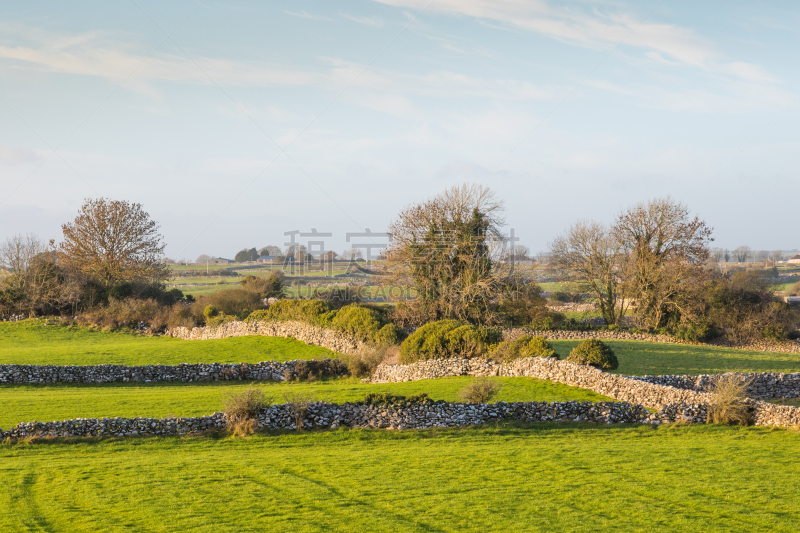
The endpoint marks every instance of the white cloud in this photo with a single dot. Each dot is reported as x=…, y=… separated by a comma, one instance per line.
x=375, y=22
x=597, y=30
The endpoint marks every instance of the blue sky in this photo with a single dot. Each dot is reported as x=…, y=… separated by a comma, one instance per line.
x=233, y=123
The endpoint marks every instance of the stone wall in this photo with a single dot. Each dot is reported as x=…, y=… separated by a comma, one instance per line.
x=674, y=404
x=307, y=333
x=184, y=372
x=560, y=335
x=338, y=342
x=764, y=385
x=321, y=415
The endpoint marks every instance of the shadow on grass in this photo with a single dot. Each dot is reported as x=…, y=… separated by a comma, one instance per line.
x=501, y=429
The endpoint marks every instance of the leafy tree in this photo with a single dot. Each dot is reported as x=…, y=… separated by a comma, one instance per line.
x=112, y=241
x=246, y=255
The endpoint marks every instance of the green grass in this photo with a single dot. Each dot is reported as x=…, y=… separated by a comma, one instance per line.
x=637, y=358
x=32, y=343
x=24, y=403
x=508, y=477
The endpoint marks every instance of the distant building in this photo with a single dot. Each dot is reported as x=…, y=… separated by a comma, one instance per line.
x=220, y=261
x=794, y=260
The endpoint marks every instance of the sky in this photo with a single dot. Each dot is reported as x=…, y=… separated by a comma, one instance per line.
x=235, y=123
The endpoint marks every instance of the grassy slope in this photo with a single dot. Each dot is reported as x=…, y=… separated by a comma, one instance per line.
x=60, y=402
x=545, y=478
x=31, y=342
x=642, y=358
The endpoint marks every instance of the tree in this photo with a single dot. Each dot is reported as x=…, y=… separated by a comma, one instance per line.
x=269, y=251
x=516, y=253
x=742, y=253
x=352, y=254
x=17, y=253
x=245, y=255
x=202, y=259
x=717, y=254
x=446, y=249
x=112, y=241
x=666, y=250
x=590, y=255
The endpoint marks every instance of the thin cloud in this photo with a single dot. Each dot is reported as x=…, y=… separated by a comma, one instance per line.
x=375, y=22
x=597, y=30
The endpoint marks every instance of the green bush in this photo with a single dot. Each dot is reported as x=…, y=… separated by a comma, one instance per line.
x=210, y=311
x=448, y=338
x=293, y=309
x=357, y=321
x=390, y=334
x=525, y=346
x=594, y=353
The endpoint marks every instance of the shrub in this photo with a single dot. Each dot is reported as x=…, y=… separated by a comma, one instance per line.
x=269, y=286
x=241, y=409
x=448, y=338
x=692, y=332
x=729, y=401
x=396, y=400
x=368, y=357
x=794, y=290
x=525, y=346
x=523, y=306
x=390, y=334
x=357, y=321
x=481, y=390
x=210, y=311
x=594, y=353
x=293, y=309
x=567, y=296
x=235, y=302
x=298, y=404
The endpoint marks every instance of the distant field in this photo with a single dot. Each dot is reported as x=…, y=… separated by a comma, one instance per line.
x=21, y=403
x=637, y=358
x=32, y=343
x=506, y=477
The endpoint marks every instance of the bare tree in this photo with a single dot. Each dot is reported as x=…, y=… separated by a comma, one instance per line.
x=114, y=241
x=742, y=253
x=18, y=252
x=667, y=249
x=352, y=254
x=590, y=255
x=270, y=251
x=203, y=258
x=717, y=254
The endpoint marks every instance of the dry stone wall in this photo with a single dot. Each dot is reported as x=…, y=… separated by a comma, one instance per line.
x=673, y=404
x=562, y=335
x=184, y=372
x=338, y=342
x=763, y=385
x=308, y=333
x=322, y=415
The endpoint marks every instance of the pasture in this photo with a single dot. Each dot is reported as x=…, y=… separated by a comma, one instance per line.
x=24, y=403
x=31, y=342
x=508, y=477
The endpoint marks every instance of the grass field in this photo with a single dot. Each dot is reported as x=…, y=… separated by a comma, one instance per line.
x=638, y=358
x=23, y=403
x=504, y=478
x=32, y=343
